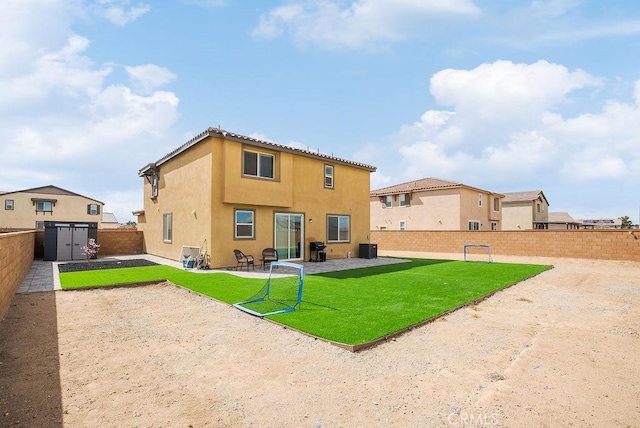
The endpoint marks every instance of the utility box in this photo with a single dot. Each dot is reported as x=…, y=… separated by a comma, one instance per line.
x=368, y=251
x=63, y=240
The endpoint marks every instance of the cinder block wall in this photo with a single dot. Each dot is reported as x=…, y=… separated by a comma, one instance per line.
x=16, y=255
x=118, y=242
x=584, y=244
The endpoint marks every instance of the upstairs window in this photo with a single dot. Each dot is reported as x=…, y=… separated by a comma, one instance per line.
x=387, y=201
x=405, y=200
x=8, y=204
x=480, y=199
x=496, y=204
x=44, y=206
x=258, y=164
x=328, y=176
x=93, y=209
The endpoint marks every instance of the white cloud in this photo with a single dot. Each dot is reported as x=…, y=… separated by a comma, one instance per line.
x=357, y=24
x=554, y=8
x=119, y=12
x=60, y=123
x=505, y=127
x=120, y=203
x=64, y=72
x=146, y=78
x=490, y=90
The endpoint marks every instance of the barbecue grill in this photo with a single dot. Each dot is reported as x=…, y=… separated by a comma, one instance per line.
x=318, y=247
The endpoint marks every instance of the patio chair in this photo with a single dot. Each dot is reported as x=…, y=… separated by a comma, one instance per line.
x=243, y=259
x=268, y=255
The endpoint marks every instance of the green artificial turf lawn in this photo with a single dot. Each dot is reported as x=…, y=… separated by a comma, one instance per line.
x=351, y=307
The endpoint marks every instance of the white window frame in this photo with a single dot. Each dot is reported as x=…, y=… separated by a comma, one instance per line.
x=475, y=225
x=388, y=201
x=94, y=209
x=479, y=199
x=328, y=176
x=9, y=204
x=494, y=225
x=167, y=228
x=251, y=224
x=39, y=224
x=496, y=204
x=41, y=206
x=260, y=158
x=405, y=199
x=342, y=221
x=403, y=225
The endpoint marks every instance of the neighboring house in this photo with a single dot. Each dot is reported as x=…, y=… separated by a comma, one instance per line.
x=30, y=208
x=562, y=220
x=109, y=221
x=601, y=223
x=223, y=191
x=525, y=210
x=434, y=204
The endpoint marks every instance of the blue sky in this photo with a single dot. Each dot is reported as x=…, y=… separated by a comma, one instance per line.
x=502, y=95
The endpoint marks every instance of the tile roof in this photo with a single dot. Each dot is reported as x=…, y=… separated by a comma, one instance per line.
x=51, y=190
x=560, y=217
x=109, y=218
x=527, y=196
x=422, y=184
x=220, y=133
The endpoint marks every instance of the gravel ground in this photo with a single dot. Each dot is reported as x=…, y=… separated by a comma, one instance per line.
x=560, y=349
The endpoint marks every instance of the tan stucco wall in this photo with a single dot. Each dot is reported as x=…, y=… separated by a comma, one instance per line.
x=24, y=215
x=184, y=186
x=521, y=215
x=517, y=216
x=446, y=209
x=208, y=178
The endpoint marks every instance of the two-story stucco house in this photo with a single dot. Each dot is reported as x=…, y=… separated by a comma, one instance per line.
x=223, y=191
x=525, y=210
x=30, y=208
x=434, y=204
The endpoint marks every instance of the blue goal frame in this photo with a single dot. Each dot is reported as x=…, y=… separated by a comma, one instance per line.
x=240, y=305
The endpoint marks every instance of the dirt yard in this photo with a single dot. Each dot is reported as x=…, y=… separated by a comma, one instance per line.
x=560, y=349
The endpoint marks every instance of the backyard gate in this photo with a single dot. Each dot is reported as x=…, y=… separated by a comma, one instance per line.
x=64, y=240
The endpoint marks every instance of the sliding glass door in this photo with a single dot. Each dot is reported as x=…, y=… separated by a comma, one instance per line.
x=289, y=236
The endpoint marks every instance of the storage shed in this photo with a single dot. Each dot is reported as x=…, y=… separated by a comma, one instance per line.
x=64, y=240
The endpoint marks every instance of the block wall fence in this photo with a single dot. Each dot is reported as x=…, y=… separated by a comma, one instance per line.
x=582, y=244
x=19, y=248
x=16, y=255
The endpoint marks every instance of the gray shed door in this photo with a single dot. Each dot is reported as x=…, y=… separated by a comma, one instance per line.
x=80, y=235
x=65, y=238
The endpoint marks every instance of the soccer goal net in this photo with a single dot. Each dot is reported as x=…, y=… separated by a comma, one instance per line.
x=282, y=292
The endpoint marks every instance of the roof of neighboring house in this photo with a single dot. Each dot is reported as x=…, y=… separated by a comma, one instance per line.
x=109, y=218
x=219, y=133
x=560, y=217
x=51, y=190
x=425, y=184
x=527, y=196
